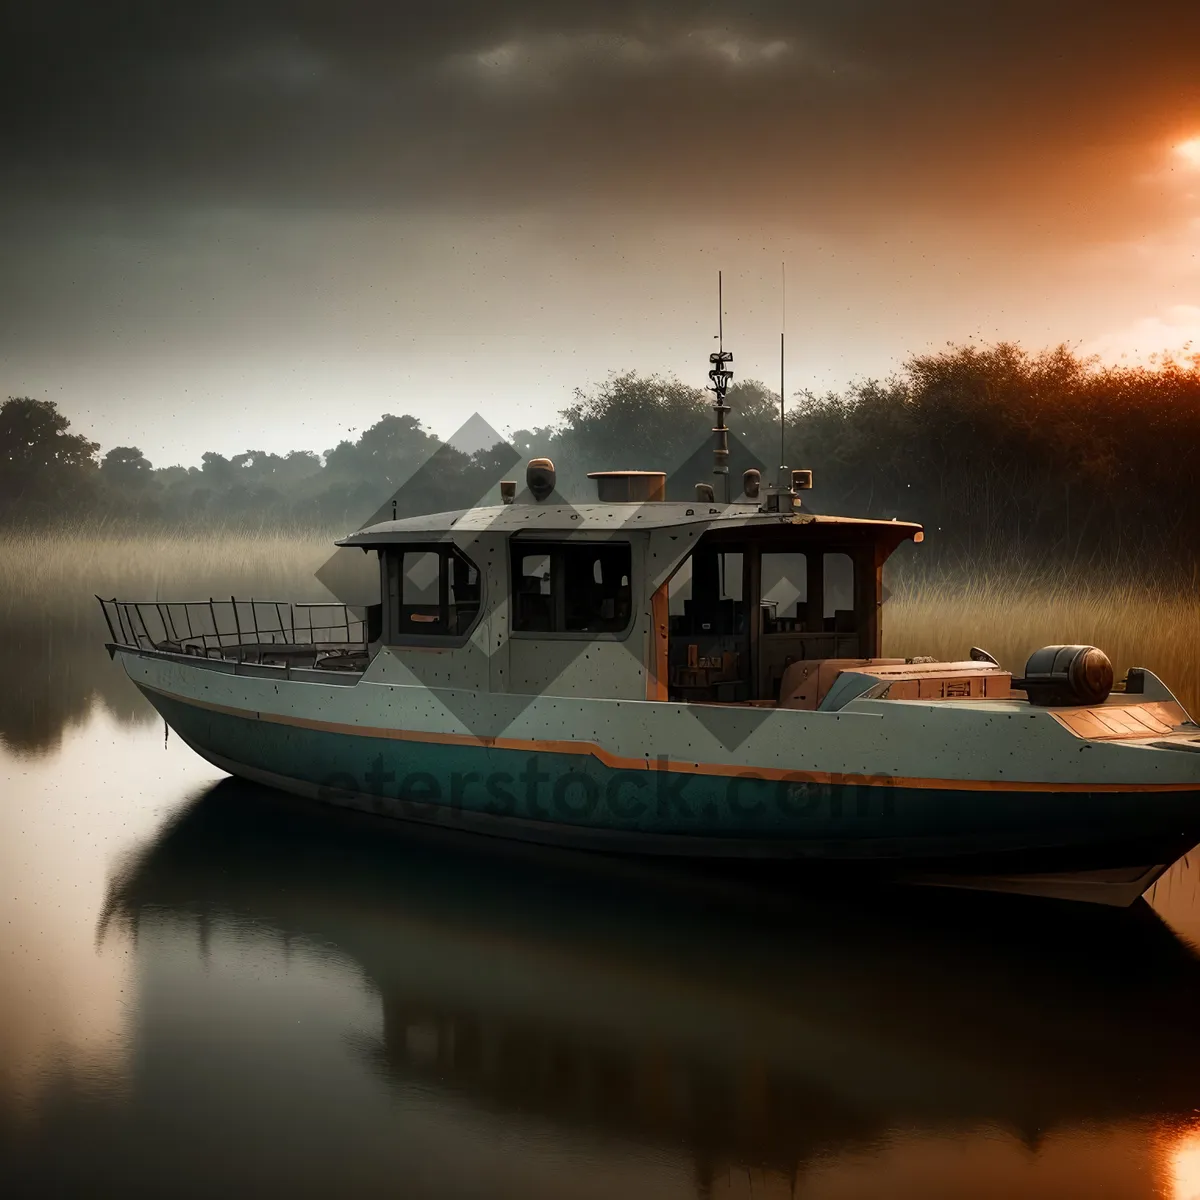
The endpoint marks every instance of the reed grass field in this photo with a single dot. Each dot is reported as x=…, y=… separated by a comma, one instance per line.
x=1011, y=614
x=48, y=581
x=56, y=568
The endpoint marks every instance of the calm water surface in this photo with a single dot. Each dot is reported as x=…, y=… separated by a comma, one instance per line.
x=208, y=990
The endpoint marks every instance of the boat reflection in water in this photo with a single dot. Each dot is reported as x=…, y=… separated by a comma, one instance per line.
x=742, y=1032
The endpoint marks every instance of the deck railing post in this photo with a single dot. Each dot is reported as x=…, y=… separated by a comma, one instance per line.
x=167, y=623
x=122, y=616
x=107, y=619
x=237, y=625
x=146, y=628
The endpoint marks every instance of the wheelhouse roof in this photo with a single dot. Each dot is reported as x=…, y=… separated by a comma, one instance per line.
x=568, y=520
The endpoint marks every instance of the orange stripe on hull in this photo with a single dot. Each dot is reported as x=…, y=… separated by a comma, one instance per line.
x=619, y=762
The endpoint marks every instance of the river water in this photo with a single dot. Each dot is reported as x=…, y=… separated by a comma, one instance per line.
x=210, y=990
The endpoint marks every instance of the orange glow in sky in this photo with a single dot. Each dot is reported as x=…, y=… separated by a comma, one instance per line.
x=1189, y=151
x=1185, y=1169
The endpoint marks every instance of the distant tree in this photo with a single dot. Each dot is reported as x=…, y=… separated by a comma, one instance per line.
x=640, y=422
x=533, y=443
x=298, y=465
x=754, y=420
x=253, y=465
x=392, y=447
x=389, y=453
x=755, y=415
x=217, y=470
x=126, y=466
x=39, y=460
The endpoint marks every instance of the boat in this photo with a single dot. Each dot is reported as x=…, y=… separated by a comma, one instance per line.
x=702, y=678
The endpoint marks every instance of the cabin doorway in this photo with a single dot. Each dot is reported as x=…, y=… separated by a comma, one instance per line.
x=708, y=602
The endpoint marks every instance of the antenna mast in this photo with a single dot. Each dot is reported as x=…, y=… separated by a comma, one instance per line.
x=721, y=374
x=782, y=392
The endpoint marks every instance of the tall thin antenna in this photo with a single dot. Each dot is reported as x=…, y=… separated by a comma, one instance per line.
x=782, y=391
x=720, y=314
x=721, y=374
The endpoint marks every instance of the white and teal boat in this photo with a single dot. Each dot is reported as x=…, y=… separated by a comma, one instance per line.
x=640, y=676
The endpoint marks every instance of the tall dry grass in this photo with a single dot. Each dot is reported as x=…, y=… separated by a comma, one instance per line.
x=1137, y=624
x=56, y=568
x=48, y=611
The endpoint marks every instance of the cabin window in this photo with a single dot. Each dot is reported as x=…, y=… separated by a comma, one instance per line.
x=838, y=593
x=784, y=595
x=432, y=591
x=572, y=587
x=807, y=593
x=705, y=595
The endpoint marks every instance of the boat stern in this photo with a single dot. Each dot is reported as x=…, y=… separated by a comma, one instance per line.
x=1079, y=802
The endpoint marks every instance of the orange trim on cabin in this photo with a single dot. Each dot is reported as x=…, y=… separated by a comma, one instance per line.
x=657, y=670
x=770, y=774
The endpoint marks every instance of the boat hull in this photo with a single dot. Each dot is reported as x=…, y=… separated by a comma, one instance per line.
x=1101, y=844
x=1114, y=873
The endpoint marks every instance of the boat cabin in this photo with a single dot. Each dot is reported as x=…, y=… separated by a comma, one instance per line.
x=630, y=598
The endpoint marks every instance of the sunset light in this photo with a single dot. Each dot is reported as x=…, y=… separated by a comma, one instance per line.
x=1189, y=151
x=1185, y=1169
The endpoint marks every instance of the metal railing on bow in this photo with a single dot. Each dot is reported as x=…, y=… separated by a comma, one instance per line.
x=243, y=630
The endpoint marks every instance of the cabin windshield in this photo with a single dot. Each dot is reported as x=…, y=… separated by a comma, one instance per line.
x=742, y=611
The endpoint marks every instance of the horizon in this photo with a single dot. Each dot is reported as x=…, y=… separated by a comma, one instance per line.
x=475, y=433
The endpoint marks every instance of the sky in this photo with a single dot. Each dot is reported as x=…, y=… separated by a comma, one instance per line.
x=264, y=223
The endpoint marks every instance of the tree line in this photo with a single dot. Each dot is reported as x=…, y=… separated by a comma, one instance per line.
x=997, y=450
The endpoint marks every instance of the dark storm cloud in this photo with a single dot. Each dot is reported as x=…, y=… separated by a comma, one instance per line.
x=843, y=107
